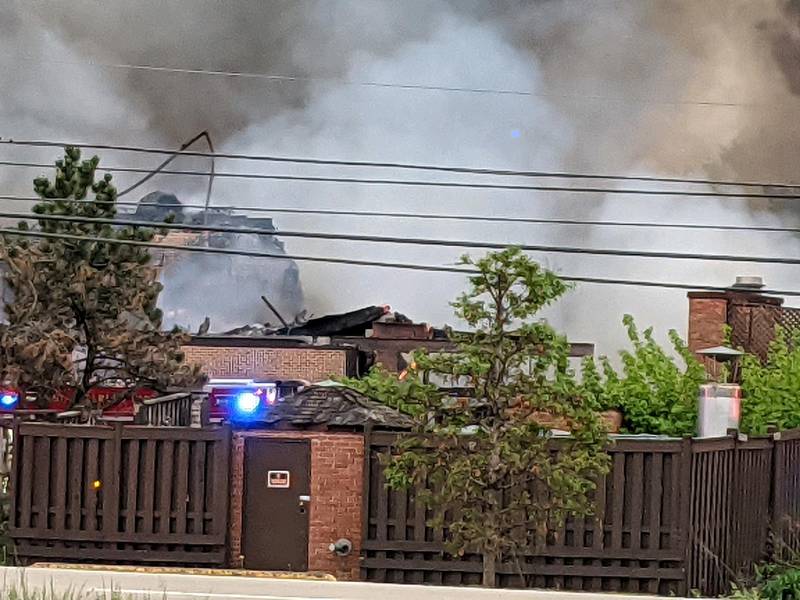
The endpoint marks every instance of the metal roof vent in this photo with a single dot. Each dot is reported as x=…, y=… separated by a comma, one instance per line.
x=748, y=282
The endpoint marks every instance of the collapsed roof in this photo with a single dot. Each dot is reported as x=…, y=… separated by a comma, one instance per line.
x=352, y=323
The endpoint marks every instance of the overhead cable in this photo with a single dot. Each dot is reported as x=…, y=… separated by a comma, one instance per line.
x=429, y=183
x=392, y=165
x=274, y=77
x=440, y=216
x=365, y=263
x=414, y=241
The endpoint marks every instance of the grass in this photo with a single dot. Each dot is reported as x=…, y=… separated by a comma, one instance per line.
x=23, y=591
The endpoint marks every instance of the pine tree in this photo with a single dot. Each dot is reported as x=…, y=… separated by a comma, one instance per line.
x=83, y=313
x=489, y=462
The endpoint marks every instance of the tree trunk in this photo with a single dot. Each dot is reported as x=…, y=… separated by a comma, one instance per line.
x=489, y=568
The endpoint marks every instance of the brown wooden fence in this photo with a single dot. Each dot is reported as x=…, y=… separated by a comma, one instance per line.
x=671, y=516
x=120, y=493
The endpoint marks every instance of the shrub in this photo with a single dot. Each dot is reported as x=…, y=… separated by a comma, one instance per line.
x=654, y=392
x=771, y=390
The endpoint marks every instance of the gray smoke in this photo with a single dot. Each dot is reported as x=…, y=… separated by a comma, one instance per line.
x=678, y=88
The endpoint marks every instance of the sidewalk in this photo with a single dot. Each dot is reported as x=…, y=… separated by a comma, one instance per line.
x=194, y=584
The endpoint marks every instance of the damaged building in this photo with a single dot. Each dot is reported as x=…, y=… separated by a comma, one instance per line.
x=233, y=294
x=347, y=344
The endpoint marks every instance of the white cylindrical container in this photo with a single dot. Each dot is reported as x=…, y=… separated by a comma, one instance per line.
x=719, y=409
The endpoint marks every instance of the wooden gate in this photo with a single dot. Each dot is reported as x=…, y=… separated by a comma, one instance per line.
x=120, y=493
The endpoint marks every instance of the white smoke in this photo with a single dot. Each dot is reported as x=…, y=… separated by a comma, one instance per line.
x=615, y=85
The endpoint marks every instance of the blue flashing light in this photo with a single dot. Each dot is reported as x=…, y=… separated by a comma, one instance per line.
x=247, y=403
x=9, y=399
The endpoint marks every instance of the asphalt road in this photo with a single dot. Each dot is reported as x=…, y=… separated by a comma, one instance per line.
x=196, y=587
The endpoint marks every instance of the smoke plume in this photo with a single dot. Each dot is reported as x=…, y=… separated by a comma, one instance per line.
x=667, y=87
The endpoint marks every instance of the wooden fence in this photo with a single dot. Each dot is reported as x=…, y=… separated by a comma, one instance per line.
x=671, y=516
x=119, y=493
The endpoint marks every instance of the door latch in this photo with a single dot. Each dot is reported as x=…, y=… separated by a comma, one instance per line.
x=303, y=500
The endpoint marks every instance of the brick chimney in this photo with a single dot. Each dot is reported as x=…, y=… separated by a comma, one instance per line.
x=708, y=311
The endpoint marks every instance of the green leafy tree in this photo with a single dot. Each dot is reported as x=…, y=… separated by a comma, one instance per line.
x=82, y=313
x=400, y=392
x=771, y=390
x=654, y=392
x=488, y=459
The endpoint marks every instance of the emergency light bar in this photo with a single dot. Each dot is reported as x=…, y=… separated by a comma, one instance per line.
x=240, y=399
x=9, y=399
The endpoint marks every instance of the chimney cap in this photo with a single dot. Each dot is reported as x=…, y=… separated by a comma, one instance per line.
x=748, y=282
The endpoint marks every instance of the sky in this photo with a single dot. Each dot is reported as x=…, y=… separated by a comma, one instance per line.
x=672, y=88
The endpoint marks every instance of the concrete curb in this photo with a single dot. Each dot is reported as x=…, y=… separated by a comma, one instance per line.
x=307, y=576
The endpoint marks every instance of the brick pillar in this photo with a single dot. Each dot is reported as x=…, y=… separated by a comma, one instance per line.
x=708, y=315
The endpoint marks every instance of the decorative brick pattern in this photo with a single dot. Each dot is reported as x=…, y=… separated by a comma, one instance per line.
x=337, y=476
x=311, y=364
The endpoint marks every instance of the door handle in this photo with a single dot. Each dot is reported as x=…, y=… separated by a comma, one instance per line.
x=304, y=498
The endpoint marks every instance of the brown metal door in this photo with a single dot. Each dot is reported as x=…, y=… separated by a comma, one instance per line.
x=276, y=505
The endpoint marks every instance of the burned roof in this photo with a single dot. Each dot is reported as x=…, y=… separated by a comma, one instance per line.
x=355, y=322
x=335, y=406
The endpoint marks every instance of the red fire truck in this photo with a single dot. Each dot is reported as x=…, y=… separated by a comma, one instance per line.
x=228, y=399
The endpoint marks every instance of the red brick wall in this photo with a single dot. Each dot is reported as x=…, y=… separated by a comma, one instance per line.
x=311, y=364
x=707, y=318
x=337, y=471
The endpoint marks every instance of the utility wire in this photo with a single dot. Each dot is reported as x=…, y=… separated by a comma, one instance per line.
x=437, y=184
x=385, y=84
x=776, y=260
x=441, y=217
x=393, y=165
x=365, y=263
x=160, y=168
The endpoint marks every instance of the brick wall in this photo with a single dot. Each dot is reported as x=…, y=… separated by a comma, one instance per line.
x=707, y=318
x=309, y=363
x=337, y=478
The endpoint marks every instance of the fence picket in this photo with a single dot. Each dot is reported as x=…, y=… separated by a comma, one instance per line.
x=95, y=471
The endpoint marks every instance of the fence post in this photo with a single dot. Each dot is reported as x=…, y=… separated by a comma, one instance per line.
x=731, y=556
x=777, y=504
x=365, y=496
x=686, y=509
x=111, y=500
x=13, y=476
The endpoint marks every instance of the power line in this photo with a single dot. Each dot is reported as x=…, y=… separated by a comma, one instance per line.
x=389, y=85
x=380, y=264
x=446, y=217
x=393, y=165
x=777, y=260
x=428, y=183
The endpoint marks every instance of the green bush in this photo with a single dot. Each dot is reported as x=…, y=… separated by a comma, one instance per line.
x=772, y=582
x=405, y=394
x=655, y=394
x=771, y=390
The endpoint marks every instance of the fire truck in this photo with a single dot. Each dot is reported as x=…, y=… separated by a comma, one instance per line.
x=246, y=400
x=229, y=400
